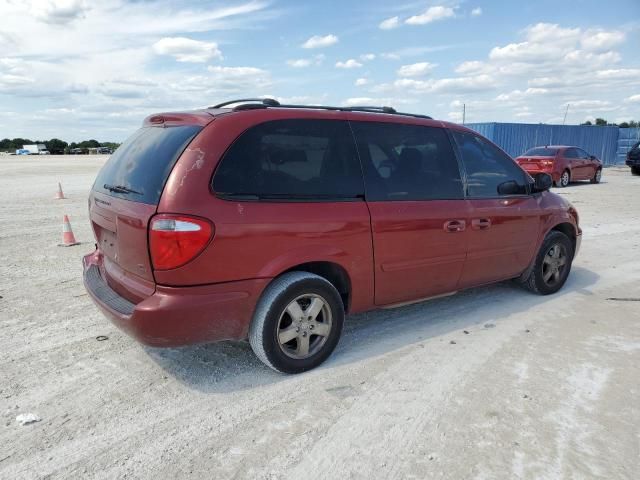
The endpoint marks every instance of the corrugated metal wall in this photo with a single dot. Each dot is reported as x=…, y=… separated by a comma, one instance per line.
x=627, y=138
x=516, y=138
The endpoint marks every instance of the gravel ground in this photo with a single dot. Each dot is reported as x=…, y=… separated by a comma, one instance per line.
x=533, y=387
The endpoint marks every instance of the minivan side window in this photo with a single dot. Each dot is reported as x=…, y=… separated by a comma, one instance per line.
x=407, y=162
x=292, y=160
x=487, y=167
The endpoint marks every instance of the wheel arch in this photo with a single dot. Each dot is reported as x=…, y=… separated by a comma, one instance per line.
x=568, y=229
x=333, y=272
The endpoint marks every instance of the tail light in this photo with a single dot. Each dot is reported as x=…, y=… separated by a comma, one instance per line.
x=177, y=239
x=546, y=163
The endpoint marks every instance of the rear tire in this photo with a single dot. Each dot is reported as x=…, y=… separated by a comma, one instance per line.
x=297, y=322
x=565, y=179
x=635, y=170
x=596, y=176
x=552, y=265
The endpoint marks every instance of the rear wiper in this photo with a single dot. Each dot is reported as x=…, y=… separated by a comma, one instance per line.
x=120, y=189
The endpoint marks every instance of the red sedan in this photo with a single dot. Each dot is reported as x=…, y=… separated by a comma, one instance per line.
x=564, y=163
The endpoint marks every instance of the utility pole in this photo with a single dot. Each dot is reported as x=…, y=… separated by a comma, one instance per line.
x=565, y=114
x=464, y=112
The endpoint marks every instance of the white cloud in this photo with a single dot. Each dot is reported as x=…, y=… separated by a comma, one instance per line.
x=187, y=50
x=601, y=40
x=319, y=41
x=415, y=70
x=299, y=63
x=306, y=62
x=389, y=23
x=382, y=101
x=476, y=12
x=58, y=11
x=363, y=81
x=516, y=95
x=431, y=14
x=351, y=63
x=634, y=98
x=590, y=105
x=367, y=57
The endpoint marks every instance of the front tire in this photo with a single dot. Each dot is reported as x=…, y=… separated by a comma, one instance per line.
x=635, y=170
x=297, y=322
x=597, y=176
x=552, y=265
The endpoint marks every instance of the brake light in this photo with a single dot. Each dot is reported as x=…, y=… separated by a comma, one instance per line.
x=177, y=239
x=546, y=163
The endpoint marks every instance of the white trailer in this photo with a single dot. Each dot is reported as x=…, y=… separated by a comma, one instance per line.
x=35, y=149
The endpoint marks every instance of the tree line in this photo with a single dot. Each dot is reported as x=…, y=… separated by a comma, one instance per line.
x=54, y=146
x=601, y=122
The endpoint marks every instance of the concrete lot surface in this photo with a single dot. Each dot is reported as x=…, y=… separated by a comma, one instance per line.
x=539, y=387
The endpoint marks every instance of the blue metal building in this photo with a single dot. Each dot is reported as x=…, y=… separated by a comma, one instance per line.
x=516, y=138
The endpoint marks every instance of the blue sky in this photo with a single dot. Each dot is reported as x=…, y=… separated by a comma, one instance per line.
x=78, y=69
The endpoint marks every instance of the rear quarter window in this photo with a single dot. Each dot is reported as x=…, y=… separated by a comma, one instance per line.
x=292, y=160
x=141, y=165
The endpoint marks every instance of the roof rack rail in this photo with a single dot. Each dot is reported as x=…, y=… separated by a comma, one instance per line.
x=368, y=108
x=258, y=103
x=267, y=102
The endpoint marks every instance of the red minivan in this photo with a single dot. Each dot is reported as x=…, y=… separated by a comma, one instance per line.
x=270, y=222
x=564, y=164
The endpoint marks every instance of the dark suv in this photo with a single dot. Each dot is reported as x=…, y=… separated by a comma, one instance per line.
x=270, y=221
x=633, y=159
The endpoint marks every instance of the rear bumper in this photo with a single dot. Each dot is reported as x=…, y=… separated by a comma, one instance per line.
x=175, y=316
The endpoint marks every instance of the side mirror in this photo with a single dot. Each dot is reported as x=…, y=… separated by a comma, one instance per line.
x=542, y=182
x=509, y=188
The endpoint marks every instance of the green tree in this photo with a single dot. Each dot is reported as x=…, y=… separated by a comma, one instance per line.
x=56, y=146
x=601, y=121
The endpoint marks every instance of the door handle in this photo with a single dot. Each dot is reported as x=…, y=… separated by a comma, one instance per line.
x=453, y=226
x=480, y=223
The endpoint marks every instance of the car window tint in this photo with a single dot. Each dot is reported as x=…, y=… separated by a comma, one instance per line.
x=582, y=154
x=570, y=153
x=487, y=166
x=540, y=152
x=292, y=159
x=143, y=163
x=407, y=162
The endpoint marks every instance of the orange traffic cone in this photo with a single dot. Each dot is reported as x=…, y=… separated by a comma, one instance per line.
x=68, y=240
x=59, y=195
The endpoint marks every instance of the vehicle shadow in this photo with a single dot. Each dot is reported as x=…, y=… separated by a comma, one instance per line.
x=232, y=366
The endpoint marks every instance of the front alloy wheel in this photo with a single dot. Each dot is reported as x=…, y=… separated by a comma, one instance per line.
x=553, y=265
x=565, y=178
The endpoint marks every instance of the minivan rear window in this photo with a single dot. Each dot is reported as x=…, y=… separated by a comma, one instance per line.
x=139, y=168
x=541, y=152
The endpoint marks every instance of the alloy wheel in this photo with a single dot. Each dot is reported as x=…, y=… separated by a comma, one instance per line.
x=304, y=326
x=554, y=264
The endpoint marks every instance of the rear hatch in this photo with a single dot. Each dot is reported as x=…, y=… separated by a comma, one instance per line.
x=125, y=196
